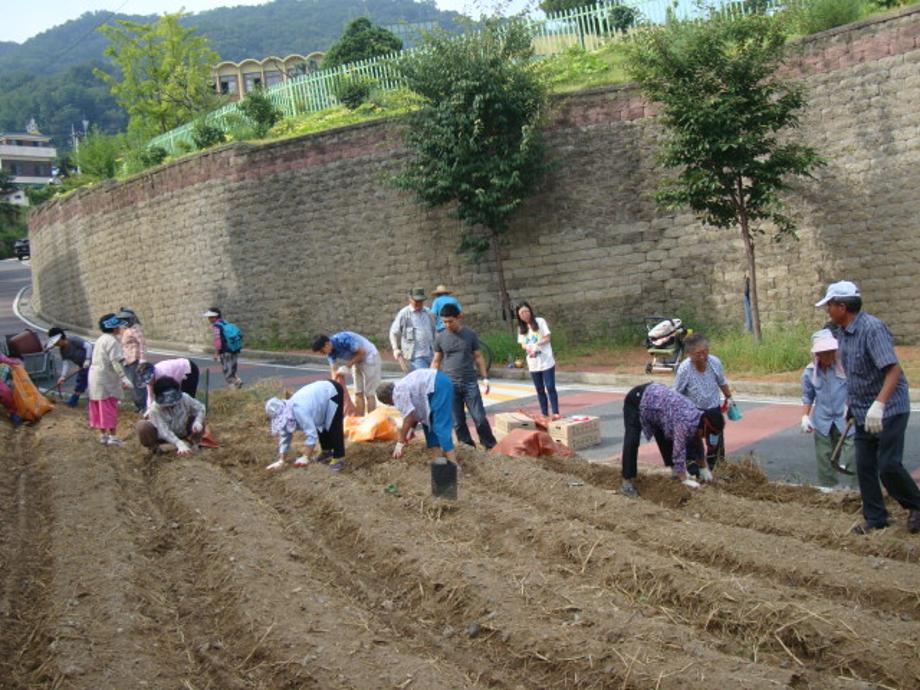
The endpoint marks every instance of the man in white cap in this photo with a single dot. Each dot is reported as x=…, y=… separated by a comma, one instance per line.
x=878, y=400
x=824, y=400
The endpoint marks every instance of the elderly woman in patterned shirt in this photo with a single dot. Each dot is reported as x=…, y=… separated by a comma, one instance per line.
x=701, y=378
x=677, y=425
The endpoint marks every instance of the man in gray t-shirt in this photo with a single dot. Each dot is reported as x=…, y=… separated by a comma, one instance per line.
x=457, y=354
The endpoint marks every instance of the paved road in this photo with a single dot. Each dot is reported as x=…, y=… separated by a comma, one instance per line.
x=769, y=428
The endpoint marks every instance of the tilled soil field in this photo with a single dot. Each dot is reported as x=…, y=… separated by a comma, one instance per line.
x=118, y=571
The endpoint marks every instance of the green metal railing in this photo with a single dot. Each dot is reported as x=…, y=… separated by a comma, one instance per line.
x=589, y=27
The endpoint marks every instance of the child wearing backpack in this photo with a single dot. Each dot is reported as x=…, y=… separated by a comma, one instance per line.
x=228, y=341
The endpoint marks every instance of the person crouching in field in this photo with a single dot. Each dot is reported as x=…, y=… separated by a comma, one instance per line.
x=107, y=378
x=824, y=397
x=317, y=409
x=678, y=426
x=74, y=351
x=423, y=396
x=172, y=417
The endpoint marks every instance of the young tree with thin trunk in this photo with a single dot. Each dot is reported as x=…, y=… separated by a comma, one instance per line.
x=727, y=118
x=475, y=142
x=164, y=73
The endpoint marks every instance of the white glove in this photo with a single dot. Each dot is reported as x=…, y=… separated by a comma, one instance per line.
x=691, y=483
x=303, y=461
x=807, y=426
x=398, y=450
x=706, y=474
x=183, y=447
x=197, y=427
x=486, y=386
x=397, y=354
x=126, y=383
x=277, y=465
x=874, y=417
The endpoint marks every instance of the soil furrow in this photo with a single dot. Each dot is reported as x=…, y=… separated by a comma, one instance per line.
x=25, y=563
x=868, y=582
x=752, y=617
x=742, y=496
x=306, y=621
x=528, y=607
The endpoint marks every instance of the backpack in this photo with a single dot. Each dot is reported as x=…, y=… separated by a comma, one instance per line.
x=233, y=336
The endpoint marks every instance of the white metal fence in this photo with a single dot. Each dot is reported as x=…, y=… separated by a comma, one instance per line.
x=589, y=27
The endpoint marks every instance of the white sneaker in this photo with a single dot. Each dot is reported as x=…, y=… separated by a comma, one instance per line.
x=691, y=483
x=114, y=441
x=706, y=474
x=104, y=439
x=277, y=465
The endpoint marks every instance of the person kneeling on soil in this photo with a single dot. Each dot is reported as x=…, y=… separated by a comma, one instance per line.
x=678, y=427
x=173, y=417
x=183, y=370
x=318, y=410
x=423, y=396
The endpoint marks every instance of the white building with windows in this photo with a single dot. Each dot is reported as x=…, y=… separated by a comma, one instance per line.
x=27, y=157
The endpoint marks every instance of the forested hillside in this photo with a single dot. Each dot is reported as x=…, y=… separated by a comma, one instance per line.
x=49, y=77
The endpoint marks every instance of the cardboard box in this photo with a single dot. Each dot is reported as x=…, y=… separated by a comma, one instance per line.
x=508, y=421
x=584, y=433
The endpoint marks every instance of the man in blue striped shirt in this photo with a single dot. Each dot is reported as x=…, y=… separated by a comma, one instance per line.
x=878, y=399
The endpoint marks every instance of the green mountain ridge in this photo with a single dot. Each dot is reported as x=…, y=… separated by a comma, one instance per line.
x=49, y=76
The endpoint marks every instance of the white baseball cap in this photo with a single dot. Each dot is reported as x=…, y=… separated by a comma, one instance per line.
x=210, y=312
x=842, y=288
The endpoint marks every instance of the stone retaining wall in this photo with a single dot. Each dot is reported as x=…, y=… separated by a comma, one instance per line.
x=306, y=235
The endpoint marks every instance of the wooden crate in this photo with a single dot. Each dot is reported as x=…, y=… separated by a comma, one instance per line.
x=583, y=433
x=508, y=421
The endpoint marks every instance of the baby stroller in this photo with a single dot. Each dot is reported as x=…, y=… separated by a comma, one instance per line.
x=664, y=342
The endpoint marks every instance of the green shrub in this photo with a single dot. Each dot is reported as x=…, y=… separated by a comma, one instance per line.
x=812, y=16
x=205, y=135
x=353, y=91
x=261, y=112
x=98, y=155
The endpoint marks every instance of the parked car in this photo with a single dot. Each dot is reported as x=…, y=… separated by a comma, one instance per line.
x=21, y=248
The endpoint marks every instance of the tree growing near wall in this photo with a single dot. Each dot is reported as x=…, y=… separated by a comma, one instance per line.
x=361, y=40
x=727, y=118
x=164, y=72
x=474, y=143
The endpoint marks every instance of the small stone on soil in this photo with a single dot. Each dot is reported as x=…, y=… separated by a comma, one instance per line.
x=473, y=630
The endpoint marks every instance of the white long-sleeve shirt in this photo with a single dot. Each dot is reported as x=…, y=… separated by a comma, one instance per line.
x=313, y=410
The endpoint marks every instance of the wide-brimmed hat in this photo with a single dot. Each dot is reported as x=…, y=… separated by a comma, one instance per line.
x=168, y=397
x=823, y=341
x=418, y=293
x=441, y=289
x=273, y=406
x=53, y=340
x=838, y=290
x=114, y=322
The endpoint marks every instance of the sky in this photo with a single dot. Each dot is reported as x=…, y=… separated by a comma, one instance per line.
x=21, y=20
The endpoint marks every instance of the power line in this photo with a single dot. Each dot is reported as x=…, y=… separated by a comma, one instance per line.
x=83, y=36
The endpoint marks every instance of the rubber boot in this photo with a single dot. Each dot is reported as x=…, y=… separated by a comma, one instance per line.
x=72, y=400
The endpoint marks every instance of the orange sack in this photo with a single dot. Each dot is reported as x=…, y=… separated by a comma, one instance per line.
x=529, y=442
x=377, y=426
x=29, y=403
